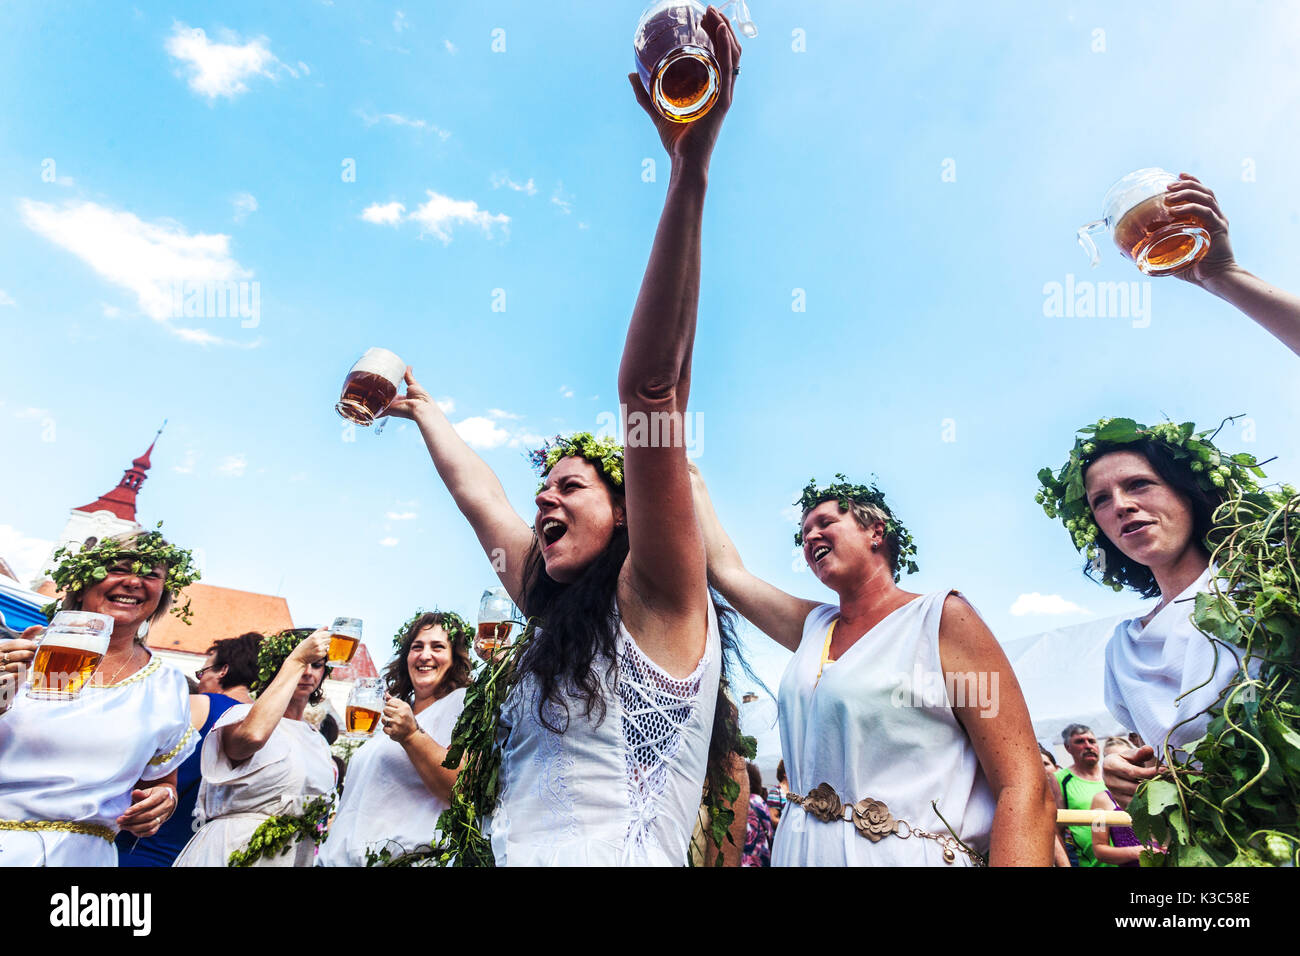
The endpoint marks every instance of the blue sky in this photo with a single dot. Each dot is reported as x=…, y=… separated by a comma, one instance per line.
x=911, y=174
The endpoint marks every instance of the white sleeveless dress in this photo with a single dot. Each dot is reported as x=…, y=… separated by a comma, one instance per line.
x=622, y=792
x=878, y=724
x=1149, y=668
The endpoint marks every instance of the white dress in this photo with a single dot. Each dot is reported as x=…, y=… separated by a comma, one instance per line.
x=1148, y=668
x=292, y=769
x=384, y=800
x=78, y=760
x=622, y=792
x=878, y=724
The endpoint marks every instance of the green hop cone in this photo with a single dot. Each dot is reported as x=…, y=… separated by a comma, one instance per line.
x=1277, y=849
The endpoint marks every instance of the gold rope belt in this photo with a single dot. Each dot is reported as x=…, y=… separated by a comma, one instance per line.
x=873, y=820
x=62, y=826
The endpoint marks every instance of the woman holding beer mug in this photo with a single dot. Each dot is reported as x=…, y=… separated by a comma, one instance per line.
x=892, y=700
x=263, y=760
x=397, y=785
x=77, y=767
x=610, y=719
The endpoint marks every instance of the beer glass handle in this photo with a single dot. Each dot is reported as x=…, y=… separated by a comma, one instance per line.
x=742, y=19
x=1085, y=240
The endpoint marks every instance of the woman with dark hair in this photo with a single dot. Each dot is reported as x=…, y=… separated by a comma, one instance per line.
x=223, y=681
x=397, y=784
x=607, y=727
x=881, y=710
x=74, y=772
x=759, y=828
x=1139, y=501
x=263, y=760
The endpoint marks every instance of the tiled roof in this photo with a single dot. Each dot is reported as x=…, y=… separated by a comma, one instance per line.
x=219, y=613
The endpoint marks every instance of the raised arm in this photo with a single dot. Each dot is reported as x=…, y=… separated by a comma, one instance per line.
x=663, y=596
x=1274, y=309
x=243, y=739
x=779, y=615
x=992, y=711
x=505, y=537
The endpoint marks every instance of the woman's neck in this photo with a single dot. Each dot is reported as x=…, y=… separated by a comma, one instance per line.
x=296, y=709
x=864, y=597
x=239, y=693
x=426, y=700
x=1178, y=575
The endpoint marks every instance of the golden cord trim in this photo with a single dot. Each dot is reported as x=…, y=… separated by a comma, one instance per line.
x=163, y=758
x=62, y=826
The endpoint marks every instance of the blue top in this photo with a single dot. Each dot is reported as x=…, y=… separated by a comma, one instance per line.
x=163, y=847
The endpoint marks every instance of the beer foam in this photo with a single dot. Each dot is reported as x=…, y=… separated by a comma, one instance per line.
x=383, y=363
x=76, y=640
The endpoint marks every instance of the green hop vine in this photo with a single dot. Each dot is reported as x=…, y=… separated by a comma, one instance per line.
x=845, y=492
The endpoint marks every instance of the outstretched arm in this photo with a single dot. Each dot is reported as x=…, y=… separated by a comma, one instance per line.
x=475, y=488
x=1274, y=309
x=663, y=595
x=779, y=615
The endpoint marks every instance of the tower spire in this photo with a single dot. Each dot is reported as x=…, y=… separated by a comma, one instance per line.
x=120, y=501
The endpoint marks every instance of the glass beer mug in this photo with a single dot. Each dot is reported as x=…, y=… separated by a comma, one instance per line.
x=364, y=708
x=69, y=654
x=370, y=386
x=345, y=635
x=1160, y=240
x=496, y=617
x=675, y=58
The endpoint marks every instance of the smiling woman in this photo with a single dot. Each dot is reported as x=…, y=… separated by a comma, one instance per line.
x=397, y=785
x=77, y=771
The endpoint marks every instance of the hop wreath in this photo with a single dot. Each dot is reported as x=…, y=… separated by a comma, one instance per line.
x=78, y=570
x=844, y=492
x=604, y=452
x=1062, y=494
x=272, y=653
x=459, y=631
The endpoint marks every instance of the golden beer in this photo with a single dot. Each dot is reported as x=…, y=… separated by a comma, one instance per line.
x=675, y=60
x=370, y=386
x=1161, y=240
x=361, y=721
x=492, y=636
x=69, y=653
x=342, y=647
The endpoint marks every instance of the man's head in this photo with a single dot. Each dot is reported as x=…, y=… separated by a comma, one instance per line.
x=1081, y=744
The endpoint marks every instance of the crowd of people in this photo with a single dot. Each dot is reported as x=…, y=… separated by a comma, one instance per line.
x=606, y=735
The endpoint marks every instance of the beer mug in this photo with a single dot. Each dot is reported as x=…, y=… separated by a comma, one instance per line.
x=675, y=58
x=370, y=386
x=69, y=654
x=1160, y=240
x=345, y=635
x=365, y=705
x=496, y=616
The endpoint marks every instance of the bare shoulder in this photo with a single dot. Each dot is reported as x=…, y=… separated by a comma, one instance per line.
x=961, y=622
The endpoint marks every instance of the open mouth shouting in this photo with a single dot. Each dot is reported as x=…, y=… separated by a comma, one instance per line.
x=820, y=552
x=553, y=530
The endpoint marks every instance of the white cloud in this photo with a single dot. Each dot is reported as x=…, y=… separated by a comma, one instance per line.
x=388, y=214
x=791, y=514
x=245, y=203
x=399, y=22
x=6, y=299
x=219, y=69
x=501, y=413
x=388, y=543
x=526, y=439
x=440, y=213
x=450, y=47
x=186, y=467
x=481, y=432
x=397, y=119
x=562, y=199
x=1035, y=603
x=566, y=392
x=447, y=405
x=503, y=179
x=401, y=515
x=23, y=553
x=110, y=311
x=149, y=259
x=234, y=466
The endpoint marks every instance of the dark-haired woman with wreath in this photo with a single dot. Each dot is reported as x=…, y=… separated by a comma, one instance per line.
x=75, y=772
x=397, y=784
x=1139, y=501
x=903, y=729
x=264, y=764
x=606, y=731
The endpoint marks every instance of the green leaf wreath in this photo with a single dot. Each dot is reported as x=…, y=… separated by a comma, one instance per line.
x=457, y=629
x=845, y=492
x=78, y=570
x=604, y=452
x=272, y=653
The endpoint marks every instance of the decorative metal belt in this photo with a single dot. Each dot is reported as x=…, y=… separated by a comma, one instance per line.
x=63, y=826
x=873, y=820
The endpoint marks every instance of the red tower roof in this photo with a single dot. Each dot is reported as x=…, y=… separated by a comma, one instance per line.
x=121, y=500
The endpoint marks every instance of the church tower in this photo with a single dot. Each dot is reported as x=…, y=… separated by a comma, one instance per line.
x=111, y=513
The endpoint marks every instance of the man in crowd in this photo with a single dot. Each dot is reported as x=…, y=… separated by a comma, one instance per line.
x=1079, y=783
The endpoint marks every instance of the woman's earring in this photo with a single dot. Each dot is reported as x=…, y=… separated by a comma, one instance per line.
x=142, y=632
x=875, y=547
